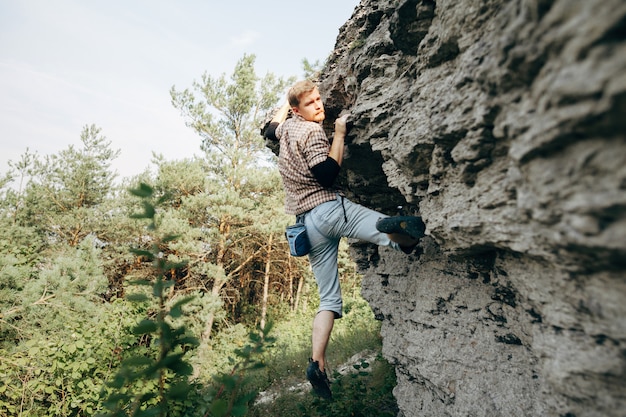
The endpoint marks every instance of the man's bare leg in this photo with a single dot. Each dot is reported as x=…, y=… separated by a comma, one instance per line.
x=322, y=327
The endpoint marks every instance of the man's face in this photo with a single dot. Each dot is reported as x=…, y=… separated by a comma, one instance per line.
x=311, y=107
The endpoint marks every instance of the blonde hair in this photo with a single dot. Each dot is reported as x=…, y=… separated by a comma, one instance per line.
x=298, y=89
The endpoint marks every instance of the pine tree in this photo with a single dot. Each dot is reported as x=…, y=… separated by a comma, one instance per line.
x=227, y=115
x=50, y=226
x=66, y=187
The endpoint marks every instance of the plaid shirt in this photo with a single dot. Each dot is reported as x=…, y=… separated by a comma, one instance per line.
x=303, y=145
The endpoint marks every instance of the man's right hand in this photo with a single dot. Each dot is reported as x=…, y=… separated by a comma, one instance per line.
x=340, y=125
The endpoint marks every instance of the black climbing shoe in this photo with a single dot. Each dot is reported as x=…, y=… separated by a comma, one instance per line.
x=318, y=379
x=412, y=226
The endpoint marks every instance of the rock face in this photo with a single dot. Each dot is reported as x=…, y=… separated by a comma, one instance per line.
x=503, y=124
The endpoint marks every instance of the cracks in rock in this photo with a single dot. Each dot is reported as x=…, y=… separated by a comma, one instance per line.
x=601, y=339
x=445, y=396
x=417, y=163
x=483, y=262
x=506, y=295
x=447, y=51
x=420, y=325
x=615, y=34
x=509, y=339
x=496, y=315
x=522, y=69
x=537, y=318
x=440, y=307
x=410, y=24
x=364, y=254
x=543, y=7
x=475, y=151
x=384, y=280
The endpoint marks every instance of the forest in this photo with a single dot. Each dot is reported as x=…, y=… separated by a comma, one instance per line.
x=171, y=293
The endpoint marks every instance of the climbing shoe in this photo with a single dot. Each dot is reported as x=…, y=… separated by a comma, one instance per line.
x=318, y=379
x=412, y=226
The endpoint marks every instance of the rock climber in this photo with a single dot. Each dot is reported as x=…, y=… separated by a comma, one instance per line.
x=309, y=164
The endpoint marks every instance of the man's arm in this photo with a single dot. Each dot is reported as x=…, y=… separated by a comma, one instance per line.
x=336, y=149
x=279, y=117
x=281, y=114
x=326, y=172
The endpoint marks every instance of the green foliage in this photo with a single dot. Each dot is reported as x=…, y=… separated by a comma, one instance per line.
x=59, y=337
x=227, y=114
x=152, y=383
x=233, y=394
x=214, y=356
x=358, y=43
x=65, y=188
x=365, y=392
x=311, y=69
x=45, y=299
x=239, y=205
x=61, y=374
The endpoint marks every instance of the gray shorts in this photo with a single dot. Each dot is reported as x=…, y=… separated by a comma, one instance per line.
x=326, y=225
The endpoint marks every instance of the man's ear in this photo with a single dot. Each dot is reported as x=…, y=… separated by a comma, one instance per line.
x=295, y=110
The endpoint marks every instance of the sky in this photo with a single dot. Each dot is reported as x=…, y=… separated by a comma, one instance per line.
x=65, y=64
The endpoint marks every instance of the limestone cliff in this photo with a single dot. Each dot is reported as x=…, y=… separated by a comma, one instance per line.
x=503, y=124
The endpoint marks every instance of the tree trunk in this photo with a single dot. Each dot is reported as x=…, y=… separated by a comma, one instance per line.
x=291, y=295
x=217, y=282
x=298, y=293
x=217, y=286
x=266, y=283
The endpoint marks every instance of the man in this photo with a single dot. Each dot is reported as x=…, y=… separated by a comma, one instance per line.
x=309, y=165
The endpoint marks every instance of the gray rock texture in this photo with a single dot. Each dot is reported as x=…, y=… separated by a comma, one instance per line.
x=503, y=124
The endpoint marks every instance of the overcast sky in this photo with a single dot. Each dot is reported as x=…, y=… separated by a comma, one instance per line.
x=65, y=64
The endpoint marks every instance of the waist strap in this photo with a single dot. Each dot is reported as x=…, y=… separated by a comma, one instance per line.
x=345, y=216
